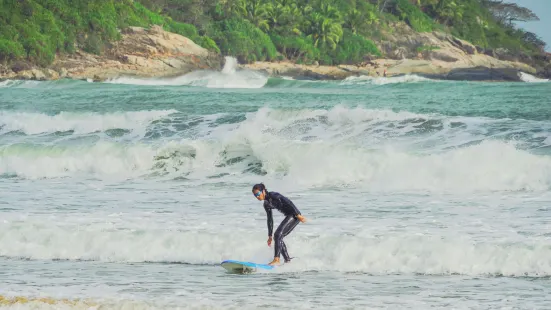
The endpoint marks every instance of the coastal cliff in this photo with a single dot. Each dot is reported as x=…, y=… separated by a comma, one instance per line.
x=308, y=40
x=157, y=53
x=435, y=55
x=141, y=52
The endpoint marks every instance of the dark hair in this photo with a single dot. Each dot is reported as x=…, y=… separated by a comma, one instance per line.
x=260, y=187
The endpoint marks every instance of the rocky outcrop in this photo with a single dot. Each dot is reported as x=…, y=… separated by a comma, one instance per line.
x=156, y=53
x=433, y=54
x=479, y=74
x=141, y=52
x=475, y=67
x=405, y=43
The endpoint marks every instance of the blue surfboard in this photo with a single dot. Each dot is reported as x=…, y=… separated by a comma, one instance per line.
x=236, y=266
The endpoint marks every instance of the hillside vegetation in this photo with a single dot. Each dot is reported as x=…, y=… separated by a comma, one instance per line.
x=327, y=31
x=36, y=30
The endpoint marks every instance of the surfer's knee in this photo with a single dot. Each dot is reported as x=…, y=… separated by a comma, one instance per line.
x=278, y=235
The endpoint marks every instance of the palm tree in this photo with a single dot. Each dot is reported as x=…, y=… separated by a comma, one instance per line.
x=325, y=32
x=449, y=10
x=256, y=13
x=232, y=8
x=356, y=19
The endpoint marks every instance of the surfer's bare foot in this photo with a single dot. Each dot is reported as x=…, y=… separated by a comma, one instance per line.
x=275, y=261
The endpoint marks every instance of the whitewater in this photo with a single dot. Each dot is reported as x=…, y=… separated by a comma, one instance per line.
x=418, y=194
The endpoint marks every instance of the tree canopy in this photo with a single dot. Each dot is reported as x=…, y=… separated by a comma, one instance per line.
x=326, y=31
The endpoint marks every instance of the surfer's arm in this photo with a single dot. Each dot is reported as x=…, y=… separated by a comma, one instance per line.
x=291, y=205
x=270, y=220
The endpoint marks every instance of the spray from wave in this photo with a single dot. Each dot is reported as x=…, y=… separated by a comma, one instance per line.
x=528, y=78
x=229, y=77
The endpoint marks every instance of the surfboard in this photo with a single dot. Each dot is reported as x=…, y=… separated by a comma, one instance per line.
x=236, y=266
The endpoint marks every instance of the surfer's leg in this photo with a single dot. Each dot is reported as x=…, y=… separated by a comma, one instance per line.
x=286, y=226
x=285, y=253
x=279, y=234
x=288, y=229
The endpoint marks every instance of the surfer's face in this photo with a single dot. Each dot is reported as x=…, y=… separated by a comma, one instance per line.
x=259, y=194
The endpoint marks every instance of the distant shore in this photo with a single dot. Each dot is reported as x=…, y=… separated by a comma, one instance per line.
x=479, y=68
x=155, y=53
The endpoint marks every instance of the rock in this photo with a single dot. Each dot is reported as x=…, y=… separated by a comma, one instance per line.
x=490, y=52
x=63, y=72
x=24, y=75
x=154, y=41
x=545, y=72
x=505, y=54
x=465, y=46
x=484, y=74
x=19, y=66
x=400, y=53
x=51, y=74
x=5, y=71
x=546, y=57
x=444, y=55
x=441, y=35
x=141, y=52
x=38, y=75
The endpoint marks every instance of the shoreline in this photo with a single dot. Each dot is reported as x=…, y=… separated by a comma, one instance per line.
x=479, y=68
x=424, y=69
x=155, y=53
x=296, y=71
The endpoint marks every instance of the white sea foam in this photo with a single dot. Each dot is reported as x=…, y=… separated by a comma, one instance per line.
x=528, y=78
x=80, y=123
x=229, y=77
x=408, y=78
x=406, y=253
x=371, y=148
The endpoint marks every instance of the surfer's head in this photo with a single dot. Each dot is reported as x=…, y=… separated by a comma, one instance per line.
x=259, y=191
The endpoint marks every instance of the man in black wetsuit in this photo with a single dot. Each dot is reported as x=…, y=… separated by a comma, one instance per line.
x=273, y=200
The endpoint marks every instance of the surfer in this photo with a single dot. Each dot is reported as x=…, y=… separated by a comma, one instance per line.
x=274, y=200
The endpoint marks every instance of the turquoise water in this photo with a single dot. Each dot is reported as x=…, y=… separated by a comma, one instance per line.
x=418, y=193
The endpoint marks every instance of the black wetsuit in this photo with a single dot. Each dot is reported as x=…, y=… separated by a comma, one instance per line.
x=277, y=201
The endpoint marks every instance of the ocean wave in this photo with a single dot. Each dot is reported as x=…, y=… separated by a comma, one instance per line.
x=381, y=254
x=20, y=83
x=376, y=149
x=229, y=77
x=80, y=123
x=408, y=78
x=528, y=78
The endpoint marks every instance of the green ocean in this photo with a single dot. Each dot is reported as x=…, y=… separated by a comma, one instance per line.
x=418, y=193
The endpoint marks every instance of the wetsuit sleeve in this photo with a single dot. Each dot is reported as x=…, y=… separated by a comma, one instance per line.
x=270, y=219
x=290, y=204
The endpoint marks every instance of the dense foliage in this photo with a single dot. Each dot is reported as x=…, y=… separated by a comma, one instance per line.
x=486, y=23
x=38, y=29
x=327, y=31
x=337, y=31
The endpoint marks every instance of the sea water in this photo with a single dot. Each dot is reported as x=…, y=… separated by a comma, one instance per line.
x=418, y=194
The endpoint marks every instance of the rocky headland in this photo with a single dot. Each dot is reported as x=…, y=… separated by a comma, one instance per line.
x=156, y=53
x=434, y=55
x=141, y=52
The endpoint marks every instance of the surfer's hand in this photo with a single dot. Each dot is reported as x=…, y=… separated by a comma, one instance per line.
x=269, y=241
x=301, y=218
